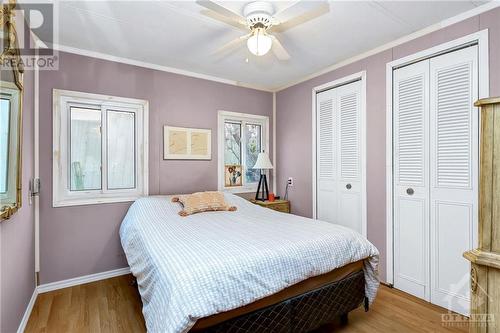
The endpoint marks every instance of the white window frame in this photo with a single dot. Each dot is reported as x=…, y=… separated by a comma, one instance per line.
x=62, y=196
x=244, y=118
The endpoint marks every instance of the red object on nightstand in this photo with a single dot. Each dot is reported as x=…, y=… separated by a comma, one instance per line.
x=271, y=197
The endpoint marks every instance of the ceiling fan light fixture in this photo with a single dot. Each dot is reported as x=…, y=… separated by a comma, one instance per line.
x=259, y=43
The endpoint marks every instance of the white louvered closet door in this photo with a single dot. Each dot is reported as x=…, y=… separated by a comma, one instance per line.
x=454, y=175
x=411, y=179
x=339, y=187
x=349, y=203
x=326, y=159
x=436, y=157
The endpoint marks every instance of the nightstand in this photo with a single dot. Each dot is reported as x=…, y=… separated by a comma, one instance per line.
x=278, y=205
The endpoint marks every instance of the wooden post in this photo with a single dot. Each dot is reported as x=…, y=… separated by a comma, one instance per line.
x=485, y=260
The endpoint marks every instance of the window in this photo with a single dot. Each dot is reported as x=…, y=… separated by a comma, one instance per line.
x=4, y=143
x=100, y=149
x=241, y=138
x=9, y=117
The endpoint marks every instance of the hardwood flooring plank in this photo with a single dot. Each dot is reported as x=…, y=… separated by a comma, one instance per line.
x=114, y=305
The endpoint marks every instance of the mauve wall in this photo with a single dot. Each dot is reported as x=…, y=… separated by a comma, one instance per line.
x=17, y=250
x=83, y=240
x=294, y=121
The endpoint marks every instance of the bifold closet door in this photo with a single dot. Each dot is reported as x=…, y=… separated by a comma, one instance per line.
x=454, y=156
x=339, y=176
x=436, y=140
x=411, y=179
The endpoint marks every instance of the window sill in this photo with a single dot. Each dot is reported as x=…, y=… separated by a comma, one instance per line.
x=243, y=189
x=93, y=201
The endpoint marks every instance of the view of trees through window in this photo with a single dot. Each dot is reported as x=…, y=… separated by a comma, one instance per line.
x=248, y=144
x=232, y=150
x=253, y=148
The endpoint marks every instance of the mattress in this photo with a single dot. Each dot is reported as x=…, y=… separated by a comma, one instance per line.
x=188, y=268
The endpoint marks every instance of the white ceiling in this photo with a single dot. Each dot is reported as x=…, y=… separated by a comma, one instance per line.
x=176, y=34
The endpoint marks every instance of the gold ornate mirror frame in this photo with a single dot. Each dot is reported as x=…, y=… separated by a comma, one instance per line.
x=11, y=58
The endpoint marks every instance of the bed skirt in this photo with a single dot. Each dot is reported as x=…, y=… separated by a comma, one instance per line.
x=302, y=313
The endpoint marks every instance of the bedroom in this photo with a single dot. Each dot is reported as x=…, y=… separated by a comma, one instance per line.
x=378, y=163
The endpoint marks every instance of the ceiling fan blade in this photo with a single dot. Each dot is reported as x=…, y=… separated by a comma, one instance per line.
x=298, y=13
x=231, y=46
x=278, y=49
x=214, y=15
x=229, y=14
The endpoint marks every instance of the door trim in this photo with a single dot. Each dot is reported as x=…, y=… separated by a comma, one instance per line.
x=481, y=39
x=360, y=76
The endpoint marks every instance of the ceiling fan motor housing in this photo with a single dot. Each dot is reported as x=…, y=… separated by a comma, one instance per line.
x=259, y=14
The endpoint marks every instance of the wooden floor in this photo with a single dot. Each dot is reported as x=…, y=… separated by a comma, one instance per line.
x=114, y=305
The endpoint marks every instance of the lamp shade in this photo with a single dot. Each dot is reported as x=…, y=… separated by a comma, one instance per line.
x=263, y=162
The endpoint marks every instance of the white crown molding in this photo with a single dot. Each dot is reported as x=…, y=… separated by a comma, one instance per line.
x=27, y=313
x=138, y=63
x=445, y=23
x=435, y=27
x=43, y=288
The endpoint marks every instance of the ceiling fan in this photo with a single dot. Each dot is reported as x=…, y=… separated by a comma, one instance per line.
x=261, y=19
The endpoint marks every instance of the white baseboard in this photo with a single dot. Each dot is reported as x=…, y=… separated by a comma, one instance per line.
x=43, y=288
x=27, y=313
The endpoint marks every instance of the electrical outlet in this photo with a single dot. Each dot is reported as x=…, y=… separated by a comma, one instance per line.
x=290, y=181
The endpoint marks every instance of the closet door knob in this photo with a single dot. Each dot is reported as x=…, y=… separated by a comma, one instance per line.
x=348, y=186
x=410, y=191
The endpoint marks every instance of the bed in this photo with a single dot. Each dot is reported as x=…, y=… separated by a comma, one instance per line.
x=227, y=271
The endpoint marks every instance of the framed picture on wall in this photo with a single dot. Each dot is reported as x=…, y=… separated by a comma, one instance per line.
x=180, y=143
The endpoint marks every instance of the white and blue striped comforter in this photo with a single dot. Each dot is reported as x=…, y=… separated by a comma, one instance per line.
x=192, y=267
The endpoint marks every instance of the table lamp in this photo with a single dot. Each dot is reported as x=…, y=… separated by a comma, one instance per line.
x=263, y=163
